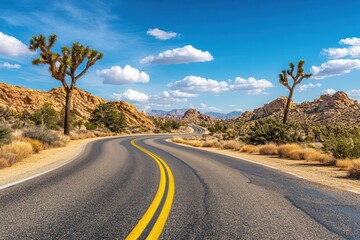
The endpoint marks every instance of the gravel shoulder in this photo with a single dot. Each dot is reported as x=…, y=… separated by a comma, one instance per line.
x=311, y=171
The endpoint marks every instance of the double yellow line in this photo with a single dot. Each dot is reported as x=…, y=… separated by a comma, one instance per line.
x=150, y=212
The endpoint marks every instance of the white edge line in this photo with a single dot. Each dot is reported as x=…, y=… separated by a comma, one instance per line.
x=353, y=191
x=241, y=158
x=2, y=187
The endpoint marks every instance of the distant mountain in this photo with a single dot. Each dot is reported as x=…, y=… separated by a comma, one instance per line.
x=172, y=113
x=180, y=113
x=229, y=115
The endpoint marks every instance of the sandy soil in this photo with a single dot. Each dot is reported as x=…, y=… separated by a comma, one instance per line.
x=311, y=171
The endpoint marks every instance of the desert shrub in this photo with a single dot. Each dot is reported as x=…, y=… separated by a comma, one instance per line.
x=313, y=155
x=286, y=149
x=4, y=163
x=268, y=130
x=250, y=149
x=344, y=163
x=49, y=138
x=5, y=135
x=232, y=144
x=15, y=151
x=269, y=149
x=108, y=115
x=296, y=154
x=209, y=143
x=47, y=116
x=354, y=171
x=90, y=126
x=343, y=146
x=36, y=144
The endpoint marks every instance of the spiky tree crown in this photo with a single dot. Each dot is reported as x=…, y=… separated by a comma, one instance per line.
x=66, y=63
x=300, y=75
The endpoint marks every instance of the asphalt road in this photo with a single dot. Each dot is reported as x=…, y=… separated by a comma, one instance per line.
x=104, y=193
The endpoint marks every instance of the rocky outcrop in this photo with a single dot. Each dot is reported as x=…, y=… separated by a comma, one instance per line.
x=133, y=116
x=20, y=99
x=330, y=109
x=194, y=116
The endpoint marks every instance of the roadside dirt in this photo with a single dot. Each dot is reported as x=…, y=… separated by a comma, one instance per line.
x=311, y=171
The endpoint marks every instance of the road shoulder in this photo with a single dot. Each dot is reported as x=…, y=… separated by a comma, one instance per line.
x=311, y=171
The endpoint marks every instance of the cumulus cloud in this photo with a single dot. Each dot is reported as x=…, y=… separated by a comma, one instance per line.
x=118, y=76
x=9, y=65
x=130, y=96
x=335, y=67
x=355, y=93
x=308, y=86
x=179, y=94
x=198, y=84
x=160, y=34
x=185, y=54
x=352, y=51
x=251, y=86
x=11, y=46
x=330, y=91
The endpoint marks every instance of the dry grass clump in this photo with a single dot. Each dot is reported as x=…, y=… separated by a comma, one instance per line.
x=178, y=140
x=297, y=154
x=250, y=149
x=354, y=171
x=234, y=145
x=49, y=138
x=209, y=143
x=313, y=155
x=188, y=141
x=36, y=144
x=269, y=149
x=344, y=164
x=15, y=152
x=4, y=163
x=286, y=149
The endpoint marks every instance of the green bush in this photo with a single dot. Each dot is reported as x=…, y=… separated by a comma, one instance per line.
x=108, y=115
x=5, y=136
x=343, y=146
x=46, y=116
x=268, y=130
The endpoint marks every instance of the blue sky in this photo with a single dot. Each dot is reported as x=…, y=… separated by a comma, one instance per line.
x=211, y=55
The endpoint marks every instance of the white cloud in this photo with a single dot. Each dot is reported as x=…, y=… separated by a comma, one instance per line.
x=118, y=76
x=355, y=93
x=11, y=46
x=251, y=86
x=160, y=34
x=330, y=91
x=185, y=54
x=130, y=96
x=199, y=84
x=308, y=86
x=9, y=65
x=335, y=68
x=352, y=51
x=180, y=94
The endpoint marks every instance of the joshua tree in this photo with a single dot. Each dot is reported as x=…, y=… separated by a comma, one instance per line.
x=64, y=64
x=284, y=80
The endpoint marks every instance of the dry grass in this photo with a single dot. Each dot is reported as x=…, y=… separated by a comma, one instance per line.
x=354, y=171
x=344, y=164
x=209, y=143
x=36, y=144
x=250, y=149
x=313, y=155
x=4, y=163
x=286, y=149
x=234, y=145
x=297, y=154
x=269, y=149
x=15, y=151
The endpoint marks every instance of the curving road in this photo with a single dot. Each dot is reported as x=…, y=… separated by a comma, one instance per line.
x=122, y=188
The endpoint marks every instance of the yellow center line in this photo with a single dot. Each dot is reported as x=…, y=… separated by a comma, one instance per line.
x=150, y=212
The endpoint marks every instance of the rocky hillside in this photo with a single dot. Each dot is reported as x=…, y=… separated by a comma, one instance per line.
x=337, y=109
x=19, y=99
x=194, y=116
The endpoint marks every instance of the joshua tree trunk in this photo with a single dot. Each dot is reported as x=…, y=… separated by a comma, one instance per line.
x=67, y=121
x=287, y=107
